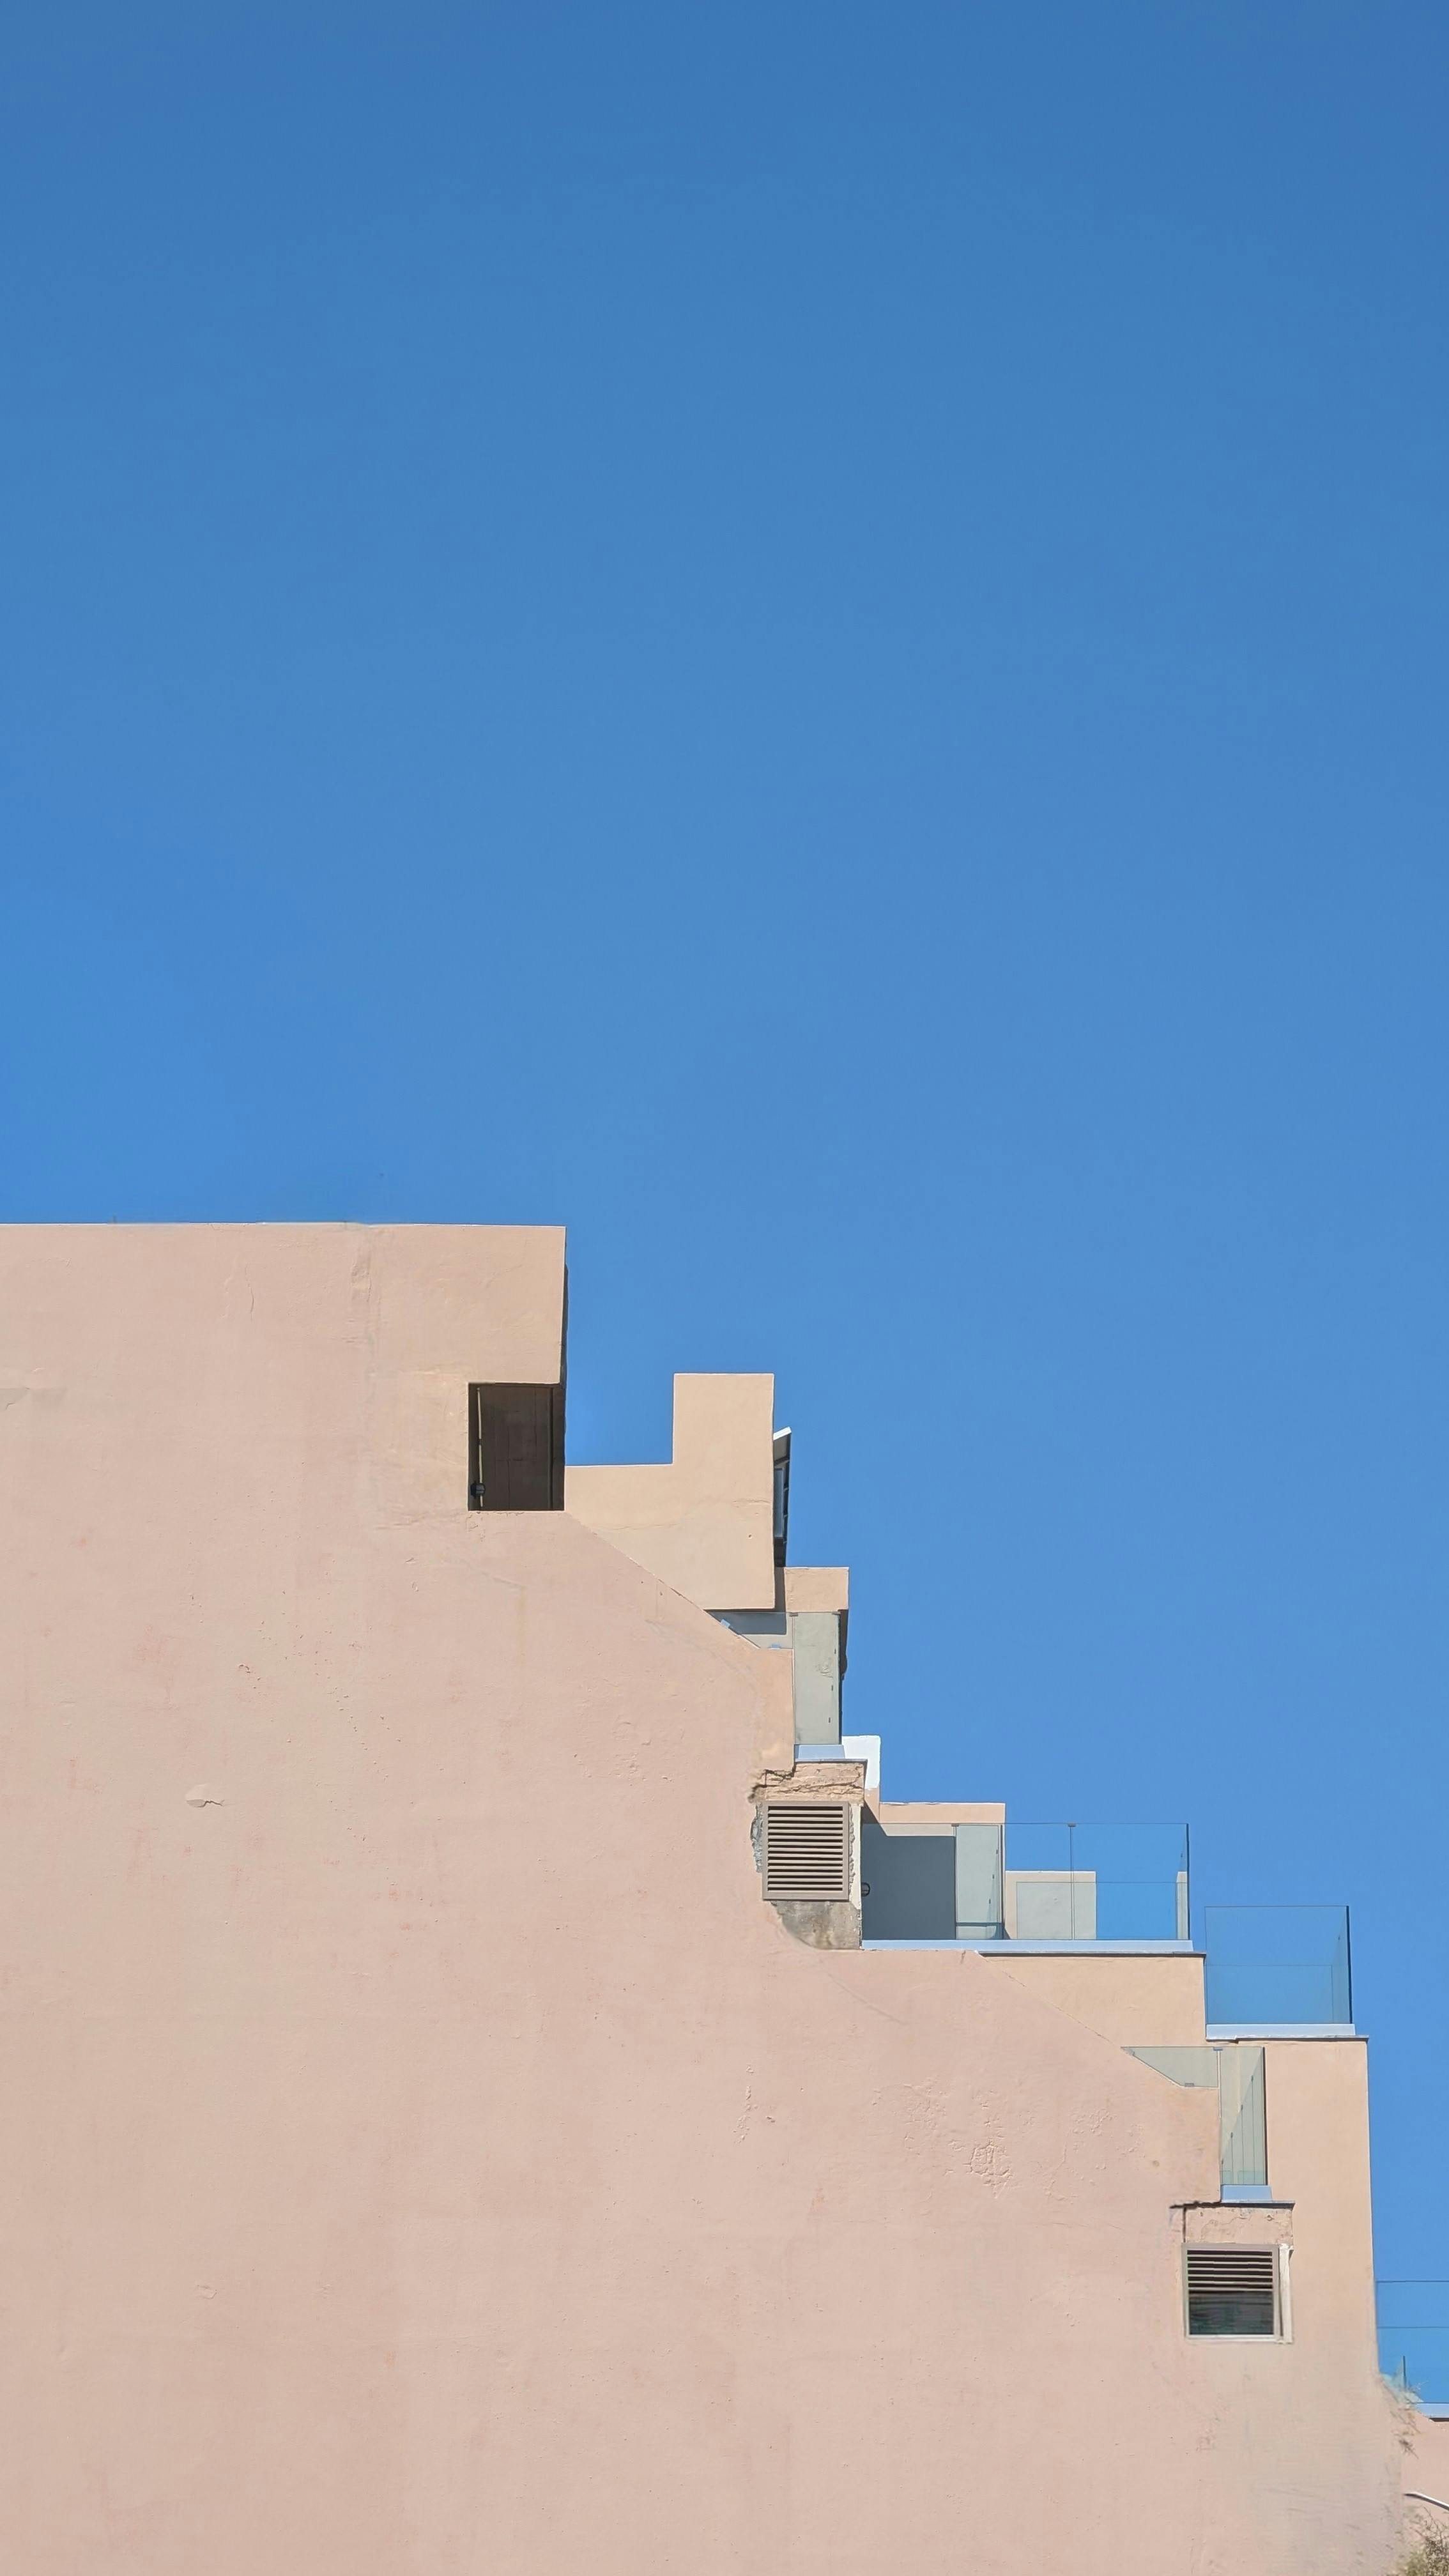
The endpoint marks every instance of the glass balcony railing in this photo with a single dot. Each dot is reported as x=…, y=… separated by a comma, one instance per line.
x=1095, y=1883
x=1414, y=2338
x=1049, y=1883
x=1278, y=1967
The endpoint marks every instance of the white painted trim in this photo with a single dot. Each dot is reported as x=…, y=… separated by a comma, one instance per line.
x=851, y=1748
x=1283, y=2030
x=866, y=1749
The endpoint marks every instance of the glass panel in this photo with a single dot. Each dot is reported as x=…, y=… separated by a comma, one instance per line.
x=1243, y=2125
x=1096, y=1882
x=1414, y=2337
x=1277, y=1966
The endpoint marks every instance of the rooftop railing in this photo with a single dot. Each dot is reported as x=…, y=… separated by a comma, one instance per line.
x=1278, y=1968
x=1270, y=1968
x=1414, y=2339
x=1081, y=1885
x=1088, y=1882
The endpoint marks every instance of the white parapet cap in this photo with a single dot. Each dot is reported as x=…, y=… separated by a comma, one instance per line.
x=851, y=1748
x=1283, y=2030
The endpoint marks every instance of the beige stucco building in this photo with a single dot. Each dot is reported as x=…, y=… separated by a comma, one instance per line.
x=489, y=2085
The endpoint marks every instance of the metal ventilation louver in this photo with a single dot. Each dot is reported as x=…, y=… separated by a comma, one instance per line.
x=1232, y=2290
x=807, y=1851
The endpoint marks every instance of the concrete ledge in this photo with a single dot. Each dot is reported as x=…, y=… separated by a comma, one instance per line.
x=1232, y=2196
x=1283, y=2030
x=1055, y=1950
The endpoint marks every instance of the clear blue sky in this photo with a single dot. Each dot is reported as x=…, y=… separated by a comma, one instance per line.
x=811, y=638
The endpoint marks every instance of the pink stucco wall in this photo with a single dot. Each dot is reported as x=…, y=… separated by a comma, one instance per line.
x=1425, y=2471
x=423, y=2150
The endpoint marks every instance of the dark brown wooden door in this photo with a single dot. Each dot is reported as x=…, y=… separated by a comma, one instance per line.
x=516, y=1449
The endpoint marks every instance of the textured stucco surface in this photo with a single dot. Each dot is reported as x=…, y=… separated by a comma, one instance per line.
x=1425, y=2461
x=421, y=2148
x=1138, y=2002
x=705, y=1522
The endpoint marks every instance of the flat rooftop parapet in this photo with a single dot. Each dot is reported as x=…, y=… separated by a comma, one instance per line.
x=1005, y=1949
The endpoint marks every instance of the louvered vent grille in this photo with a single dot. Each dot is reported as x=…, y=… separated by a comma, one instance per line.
x=1232, y=2290
x=807, y=1851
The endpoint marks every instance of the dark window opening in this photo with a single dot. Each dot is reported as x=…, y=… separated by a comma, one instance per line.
x=909, y=1889
x=515, y=1448
x=782, y=1495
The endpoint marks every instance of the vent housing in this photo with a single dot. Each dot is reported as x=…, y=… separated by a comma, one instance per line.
x=1232, y=2290
x=807, y=1851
